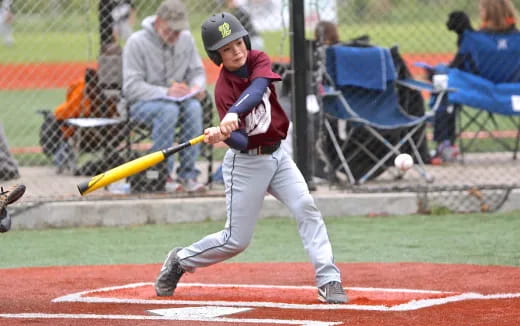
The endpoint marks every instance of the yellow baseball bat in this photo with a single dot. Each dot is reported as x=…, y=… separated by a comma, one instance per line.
x=135, y=166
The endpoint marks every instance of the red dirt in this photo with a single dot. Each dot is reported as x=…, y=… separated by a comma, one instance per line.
x=57, y=75
x=30, y=290
x=62, y=74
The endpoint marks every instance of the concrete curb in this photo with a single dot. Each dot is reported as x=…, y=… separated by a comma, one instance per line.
x=177, y=210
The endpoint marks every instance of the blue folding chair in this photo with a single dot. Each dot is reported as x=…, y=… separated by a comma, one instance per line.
x=489, y=81
x=362, y=93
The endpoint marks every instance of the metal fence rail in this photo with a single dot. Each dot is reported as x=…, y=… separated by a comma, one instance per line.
x=55, y=42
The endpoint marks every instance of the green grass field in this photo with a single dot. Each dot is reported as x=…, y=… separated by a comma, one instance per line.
x=486, y=239
x=20, y=117
x=55, y=45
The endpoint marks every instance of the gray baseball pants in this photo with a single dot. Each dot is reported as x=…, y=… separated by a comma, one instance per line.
x=247, y=178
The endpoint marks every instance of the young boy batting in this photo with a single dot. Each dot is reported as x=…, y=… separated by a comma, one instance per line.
x=252, y=125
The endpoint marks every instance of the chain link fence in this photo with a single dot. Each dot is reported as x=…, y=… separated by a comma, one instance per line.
x=53, y=50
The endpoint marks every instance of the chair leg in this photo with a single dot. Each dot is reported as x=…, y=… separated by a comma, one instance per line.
x=394, y=149
x=483, y=127
x=515, y=121
x=420, y=166
x=351, y=178
x=517, y=141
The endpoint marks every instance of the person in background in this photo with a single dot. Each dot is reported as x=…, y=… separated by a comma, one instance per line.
x=116, y=21
x=123, y=15
x=163, y=76
x=8, y=164
x=231, y=6
x=326, y=33
x=6, y=22
x=496, y=16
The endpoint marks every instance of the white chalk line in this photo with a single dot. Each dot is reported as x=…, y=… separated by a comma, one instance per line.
x=186, y=318
x=208, y=311
x=411, y=305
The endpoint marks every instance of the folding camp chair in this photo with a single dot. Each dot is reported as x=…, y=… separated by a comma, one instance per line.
x=362, y=94
x=488, y=81
x=98, y=142
x=104, y=138
x=84, y=133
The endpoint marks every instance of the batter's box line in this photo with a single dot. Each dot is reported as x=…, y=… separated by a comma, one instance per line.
x=411, y=305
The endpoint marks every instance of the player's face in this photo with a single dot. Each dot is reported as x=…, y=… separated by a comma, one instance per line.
x=233, y=54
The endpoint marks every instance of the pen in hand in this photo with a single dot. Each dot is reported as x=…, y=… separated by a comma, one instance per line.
x=178, y=89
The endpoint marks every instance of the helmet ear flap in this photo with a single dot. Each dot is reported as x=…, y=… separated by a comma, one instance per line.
x=247, y=40
x=215, y=57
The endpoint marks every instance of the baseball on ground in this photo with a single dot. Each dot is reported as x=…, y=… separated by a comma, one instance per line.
x=403, y=162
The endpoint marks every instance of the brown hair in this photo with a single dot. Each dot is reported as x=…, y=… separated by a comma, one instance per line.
x=498, y=15
x=326, y=32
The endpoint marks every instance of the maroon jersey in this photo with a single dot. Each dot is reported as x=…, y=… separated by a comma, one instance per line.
x=267, y=123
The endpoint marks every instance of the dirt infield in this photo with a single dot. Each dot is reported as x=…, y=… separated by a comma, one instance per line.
x=61, y=75
x=262, y=294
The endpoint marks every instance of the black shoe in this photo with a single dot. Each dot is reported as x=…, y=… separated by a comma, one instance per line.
x=170, y=275
x=332, y=292
x=5, y=220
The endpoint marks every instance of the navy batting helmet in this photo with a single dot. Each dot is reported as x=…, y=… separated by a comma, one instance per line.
x=220, y=29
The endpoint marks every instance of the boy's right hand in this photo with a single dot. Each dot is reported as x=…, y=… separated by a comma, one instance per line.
x=213, y=135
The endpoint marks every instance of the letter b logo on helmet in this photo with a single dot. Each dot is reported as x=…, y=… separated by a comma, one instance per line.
x=219, y=30
x=224, y=30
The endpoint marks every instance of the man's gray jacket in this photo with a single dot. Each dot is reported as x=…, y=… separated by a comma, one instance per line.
x=150, y=66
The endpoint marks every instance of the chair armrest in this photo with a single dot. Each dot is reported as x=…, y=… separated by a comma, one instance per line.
x=329, y=91
x=422, y=86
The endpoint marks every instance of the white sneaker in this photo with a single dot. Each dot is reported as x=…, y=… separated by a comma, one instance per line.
x=173, y=186
x=191, y=185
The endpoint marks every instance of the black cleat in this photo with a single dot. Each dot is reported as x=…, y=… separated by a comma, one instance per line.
x=5, y=220
x=332, y=292
x=169, y=275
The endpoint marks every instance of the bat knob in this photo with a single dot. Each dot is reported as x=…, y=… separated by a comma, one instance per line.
x=83, y=187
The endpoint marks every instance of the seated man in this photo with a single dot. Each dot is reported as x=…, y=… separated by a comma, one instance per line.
x=163, y=78
x=7, y=197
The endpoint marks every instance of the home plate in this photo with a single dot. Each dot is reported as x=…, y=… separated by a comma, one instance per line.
x=197, y=312
x=212, y=314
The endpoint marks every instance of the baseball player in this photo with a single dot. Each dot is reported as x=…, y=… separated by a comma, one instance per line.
x=252, y=125
x=7, y=197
